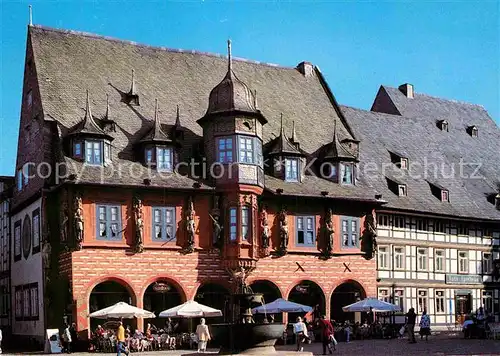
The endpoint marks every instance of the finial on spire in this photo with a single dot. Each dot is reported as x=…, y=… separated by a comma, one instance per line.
x=229, y=57
x=178, y=118
x=282, y=130
x=255, y=98
x=31, y=16
x=88, y=113
x=156, y=111
x=294, y=135
x=107, y=107
x=335, y=130
x=132, y=88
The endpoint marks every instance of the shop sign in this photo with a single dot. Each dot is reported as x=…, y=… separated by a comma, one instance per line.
x=464, y=279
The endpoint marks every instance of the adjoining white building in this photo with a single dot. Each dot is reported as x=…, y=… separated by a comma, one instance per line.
x=28, y=323
x=435, y=162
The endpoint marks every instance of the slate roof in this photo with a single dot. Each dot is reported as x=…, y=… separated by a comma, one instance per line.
x=88, y=125
x=426, y=146
x=68, y=63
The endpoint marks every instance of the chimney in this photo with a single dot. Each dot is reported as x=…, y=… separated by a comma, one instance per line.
x=407, y=90
x=305, y=68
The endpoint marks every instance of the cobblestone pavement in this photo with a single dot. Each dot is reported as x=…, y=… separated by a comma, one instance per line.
x=436, y=346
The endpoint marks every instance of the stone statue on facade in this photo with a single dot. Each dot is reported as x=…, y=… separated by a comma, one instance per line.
x=369, y=237
x=265, y=228
x=139, y=224
x=78, y=221
x=64, y=219
x=190, y=226
x=329, y=233
x=217, y=231
x=283, y=231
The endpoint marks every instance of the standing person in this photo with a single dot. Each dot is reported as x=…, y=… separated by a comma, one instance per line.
x=348, y=331
x=300, y=331
x=425, y=326
x=120, y=340
x=66, y=338
x=203, y=335
x=327, y=335
x=411, y=317
x=1, y=336
x=74, y=337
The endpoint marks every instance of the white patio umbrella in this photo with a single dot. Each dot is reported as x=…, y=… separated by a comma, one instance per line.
x=281, y=305
x=190, y=309
x=121, y=310
x=376, y=305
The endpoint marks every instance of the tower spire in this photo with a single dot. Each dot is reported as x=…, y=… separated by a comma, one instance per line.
x=107, y=107
x=31, y=16
x=229, y=57
x=157, y=119
x=132, y=87
x=335, y=130
x=88, y=113
x=282, y=131
x=178, y=118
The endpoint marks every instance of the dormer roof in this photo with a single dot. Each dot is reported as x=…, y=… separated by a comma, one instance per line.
x=283, y=145
x=336, y=150
x=88, y=126
x=156, y=134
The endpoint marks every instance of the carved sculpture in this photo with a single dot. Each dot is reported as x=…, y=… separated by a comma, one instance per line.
x=239, y=276
x=190, y=226
x=369, y=237
x=329, y=233
x=139, y=225
x=46, y=251
x=265, y=228
x=64, y=219
x=78, y=221
x=217, y=231
x=283, y=231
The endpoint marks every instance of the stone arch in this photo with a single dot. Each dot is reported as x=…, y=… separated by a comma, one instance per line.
x=346, y=292
x=310, y=293
x=270, y=292
x=214, y=294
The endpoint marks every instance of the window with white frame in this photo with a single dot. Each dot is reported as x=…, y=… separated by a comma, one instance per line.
x=347, y=173
x=399, y=298
x=399, y=221
x=93, y=152
x=399, y=257
x=487, y=301
x=164, y=159
x=383, y=220
x=305, y=230
x=383, y=257
x=463, y=262
x=246, y=149
x=422, y=301
x=233, y=224
x=108, y=222
x=291, y=169
x=17, y=240
x=383, y=294
x=487, y=263
x=439, y=226
x=422, y=259
x=402, y=190
x=225, y=149
x=422, y=224
x=245, y=223
x=163, y=223
x=350, y=231
x=440, y=301
x=36, y=231
x=439, y=260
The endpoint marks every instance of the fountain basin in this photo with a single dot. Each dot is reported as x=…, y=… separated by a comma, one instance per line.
x=237, y=338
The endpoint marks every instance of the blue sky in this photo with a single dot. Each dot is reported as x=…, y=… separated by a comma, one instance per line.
x=447, y=49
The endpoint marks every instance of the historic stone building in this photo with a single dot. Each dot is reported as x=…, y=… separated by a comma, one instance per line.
x=436, y=164
x=161, y=175
x=6, y=186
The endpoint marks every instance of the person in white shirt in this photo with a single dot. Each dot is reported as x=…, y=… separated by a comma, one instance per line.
x=1, y=336
x=300, y=331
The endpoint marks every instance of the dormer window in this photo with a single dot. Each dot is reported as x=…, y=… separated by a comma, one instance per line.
x=443, y=125
x=291, y=169
x=164, y=159
x=445, y=195
x=246, y=149
x=439, y=192
x=473, y=131
x=402, y=190
x=77, y=149
x=347, y=173
x=399, y=160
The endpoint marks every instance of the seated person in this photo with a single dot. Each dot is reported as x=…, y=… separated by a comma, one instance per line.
x=467, y=327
